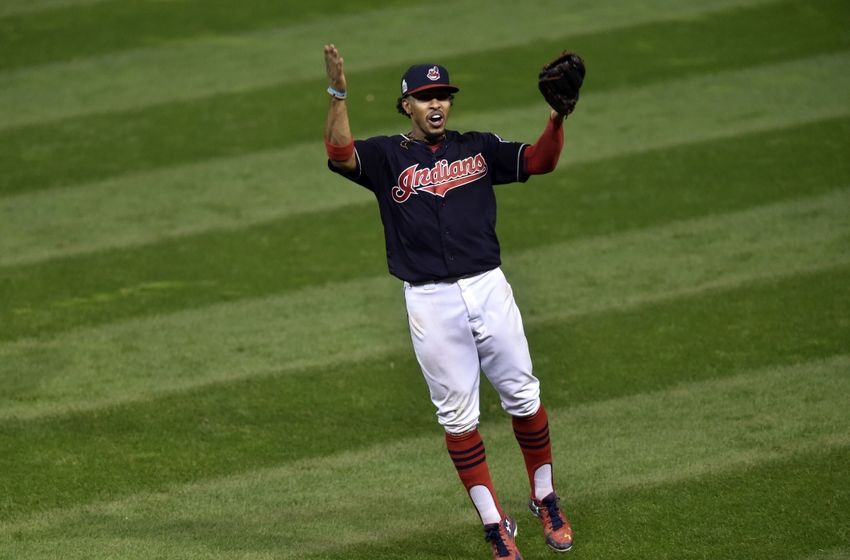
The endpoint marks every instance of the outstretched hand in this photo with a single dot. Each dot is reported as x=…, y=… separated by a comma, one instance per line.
x=333, y=66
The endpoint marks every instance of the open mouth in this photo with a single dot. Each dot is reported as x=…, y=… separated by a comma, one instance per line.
x=435, y=120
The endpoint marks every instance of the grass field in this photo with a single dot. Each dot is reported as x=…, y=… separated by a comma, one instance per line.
x=202, y=355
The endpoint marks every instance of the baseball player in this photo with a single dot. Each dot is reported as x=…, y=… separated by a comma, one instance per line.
x=434, y=189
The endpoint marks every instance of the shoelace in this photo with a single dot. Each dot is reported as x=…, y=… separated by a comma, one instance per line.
x=494, y=536
x=554, y=514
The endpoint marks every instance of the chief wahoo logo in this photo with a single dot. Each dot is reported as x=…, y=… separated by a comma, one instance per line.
x=434, y=74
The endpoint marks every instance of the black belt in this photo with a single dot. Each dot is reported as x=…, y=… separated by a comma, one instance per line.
x=448, y=280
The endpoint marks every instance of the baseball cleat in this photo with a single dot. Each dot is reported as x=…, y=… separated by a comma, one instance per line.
x=556, y=527
x=501, y=538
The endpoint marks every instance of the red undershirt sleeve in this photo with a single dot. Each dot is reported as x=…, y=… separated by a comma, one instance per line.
x=542, y=157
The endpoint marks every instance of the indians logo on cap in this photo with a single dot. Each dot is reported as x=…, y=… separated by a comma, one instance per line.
x=434, y=74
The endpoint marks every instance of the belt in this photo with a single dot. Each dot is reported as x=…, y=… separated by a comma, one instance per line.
x=447, y=280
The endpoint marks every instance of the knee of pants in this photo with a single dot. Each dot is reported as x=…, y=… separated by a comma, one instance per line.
x=458, y=415
x=523, y=402
x=459, y=427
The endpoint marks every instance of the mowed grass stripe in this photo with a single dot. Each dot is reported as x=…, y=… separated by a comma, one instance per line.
x=682, y=437
x=208, y=65
x=31, y=39
x=149, y=207
x=345, y=244
x=90, y=148
x=17, y=7
x=831, y=554
x=342, y=323
x=146, y=207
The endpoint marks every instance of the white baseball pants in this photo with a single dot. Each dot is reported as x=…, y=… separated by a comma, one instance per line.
x=464, y=327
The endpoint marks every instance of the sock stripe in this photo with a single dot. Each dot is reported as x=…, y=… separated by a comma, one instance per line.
x=464, y=461
x=527, y=441
x=475, y=449
x=471, y=465
x=540, y=437
x=532, y=434
x=538, y=446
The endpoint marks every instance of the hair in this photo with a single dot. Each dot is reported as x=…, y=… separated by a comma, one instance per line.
x=400, y=108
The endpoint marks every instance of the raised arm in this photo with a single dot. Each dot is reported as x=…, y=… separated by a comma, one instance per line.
x=338, y=140
x=542, y=156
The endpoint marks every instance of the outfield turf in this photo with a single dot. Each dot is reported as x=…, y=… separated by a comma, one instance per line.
x=203, y=356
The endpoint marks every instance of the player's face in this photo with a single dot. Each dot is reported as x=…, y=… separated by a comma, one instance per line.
x=429, y=111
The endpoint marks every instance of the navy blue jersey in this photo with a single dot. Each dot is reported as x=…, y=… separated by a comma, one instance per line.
x=438, y=208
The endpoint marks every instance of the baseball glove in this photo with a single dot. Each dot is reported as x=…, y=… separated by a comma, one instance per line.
x=560, y=81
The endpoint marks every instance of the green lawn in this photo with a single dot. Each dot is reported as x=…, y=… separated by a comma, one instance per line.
x=203, y=356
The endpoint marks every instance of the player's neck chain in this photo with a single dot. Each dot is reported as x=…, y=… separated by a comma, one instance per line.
x=408, y=138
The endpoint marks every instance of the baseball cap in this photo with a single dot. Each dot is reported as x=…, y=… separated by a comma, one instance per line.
x=426, y=76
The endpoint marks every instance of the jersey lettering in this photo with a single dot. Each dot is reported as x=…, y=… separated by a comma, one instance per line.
x=440, y=179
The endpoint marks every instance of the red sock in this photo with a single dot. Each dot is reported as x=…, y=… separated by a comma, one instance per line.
x=532, y=434
x=470, y=459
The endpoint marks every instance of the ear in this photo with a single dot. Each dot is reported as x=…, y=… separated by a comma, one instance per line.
x=406, y=106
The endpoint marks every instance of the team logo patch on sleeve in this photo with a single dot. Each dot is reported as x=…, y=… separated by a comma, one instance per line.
x=440, y=179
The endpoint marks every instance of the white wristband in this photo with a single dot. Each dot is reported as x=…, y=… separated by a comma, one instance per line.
x=336, y=93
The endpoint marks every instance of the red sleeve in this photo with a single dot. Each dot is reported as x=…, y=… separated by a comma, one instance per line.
x=543, y=156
